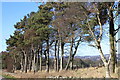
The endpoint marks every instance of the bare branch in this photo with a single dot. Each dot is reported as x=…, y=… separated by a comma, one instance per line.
x=101, y=29
x=118, y=40
x=116, y=31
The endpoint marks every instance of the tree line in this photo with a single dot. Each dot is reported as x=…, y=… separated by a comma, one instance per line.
x=57, y=29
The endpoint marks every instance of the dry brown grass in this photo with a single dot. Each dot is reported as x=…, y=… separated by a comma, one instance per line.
x=91, y=72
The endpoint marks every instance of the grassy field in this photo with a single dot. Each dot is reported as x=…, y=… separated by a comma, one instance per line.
x=91, y=72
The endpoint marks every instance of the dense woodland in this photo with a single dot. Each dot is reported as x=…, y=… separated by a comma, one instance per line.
x=42, y=39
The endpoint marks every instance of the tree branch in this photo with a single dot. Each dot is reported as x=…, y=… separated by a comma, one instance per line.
x=116, y=31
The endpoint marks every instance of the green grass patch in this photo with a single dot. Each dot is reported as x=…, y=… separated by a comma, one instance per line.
x=8, y=77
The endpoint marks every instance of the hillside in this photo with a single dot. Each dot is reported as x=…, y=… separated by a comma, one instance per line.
x=97, y=57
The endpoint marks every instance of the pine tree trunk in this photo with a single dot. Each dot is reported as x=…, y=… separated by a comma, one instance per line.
x=70, y=56
x=112, y=43
x=37, y=61
x=71, y=64
x=22, y=62
x=47, y=57
x=68, y=63
x=55, y=58
x=41, y=58
x=116, y=57
x=22, y=66
x=62, y=55
x=30, y=61
x=33, y=63
x=40, y=62
x=14, y=65
x=25, y=67
x=58, y=55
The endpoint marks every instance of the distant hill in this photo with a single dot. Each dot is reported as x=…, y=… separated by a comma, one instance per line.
x=92, y=58
x=96, y=58
x=86, y=61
